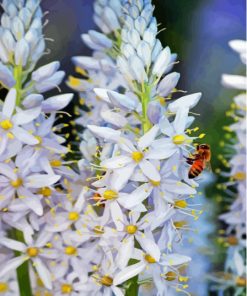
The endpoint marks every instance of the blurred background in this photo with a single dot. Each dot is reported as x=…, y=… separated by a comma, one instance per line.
x=199, y=32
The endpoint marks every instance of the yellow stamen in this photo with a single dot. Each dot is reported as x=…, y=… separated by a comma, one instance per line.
x=240, y=176
x=39, y=139
x=16, y=183
x=73, y=216
x=110, y=194
x=45, y=191
x=106, y=281
x=70, y=250
x=56, y=163
x=149, y=259
x=131, y=229
x=155, y=183
x=179, y=139
x=241, y=281
x=98, y=229
x=179, y=224
x=6, y=124
x=137, y=156
x=232, y=240
x=3, y=287
x=73, y=81
x=170, y=276
x=180, y=204
x=32, y=251
x=66, y=289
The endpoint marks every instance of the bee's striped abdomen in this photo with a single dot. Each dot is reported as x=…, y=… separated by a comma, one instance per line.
x=196, y=168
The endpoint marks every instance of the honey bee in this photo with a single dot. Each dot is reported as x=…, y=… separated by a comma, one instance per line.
x=199, y=160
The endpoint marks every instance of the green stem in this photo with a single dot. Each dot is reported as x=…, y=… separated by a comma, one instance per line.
x=145, y=97
x=23, y=270
x=18, y=85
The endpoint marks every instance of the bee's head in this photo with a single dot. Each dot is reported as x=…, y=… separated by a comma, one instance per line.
x=204, y=146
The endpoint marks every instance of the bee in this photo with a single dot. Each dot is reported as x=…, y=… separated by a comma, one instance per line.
x=199, y=160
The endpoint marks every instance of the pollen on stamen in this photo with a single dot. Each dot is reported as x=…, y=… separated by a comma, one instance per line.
x=137, y=156
x=131, y=229
x=106, y=281
x=16, y=183
x=179, y=139
x=66, y=289
x=6, y=124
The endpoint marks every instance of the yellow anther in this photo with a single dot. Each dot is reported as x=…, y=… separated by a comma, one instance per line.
x=155, y=183
x=80, y=71
x=179, y=139
x=6, y=124
x=241, y=282
x=56, y=163
x=39, y=139
x=149, y=259
x=3, y=287
x=183, y=279
x=201, y=136
x=98, y=229
x=66, y=288
x=10, y=136
x=73, y=81
x=32, y=251
x=162, y=101
x=170, y=276
x=110, y=194
x=45, y=191
x=180, y=224
x=70, y=250
x=232, y=240
x=16, y=183
x=131, y=229
x=240, y=176
x=180, y=204
x=73, y=216
x=106, y=281
x=137, y=156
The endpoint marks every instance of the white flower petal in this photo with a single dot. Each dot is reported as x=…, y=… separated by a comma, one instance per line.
x=136, y=197
x=175, y=259
x=125, y=252
x=117, y=215
x=9, y=103
x=26, y=116
x=149, y=246
x=12, y=265
x=57, y=102
x=106, y=133
x=188, y=101
x=43, y=272
x=168, y=83
x=234, y=81
x=116, y=162
x=128, y=273
x=102, y=94
x=13, y=244
x=41, y=180
x=24, y=136
x=149, y=170
x=147, y=139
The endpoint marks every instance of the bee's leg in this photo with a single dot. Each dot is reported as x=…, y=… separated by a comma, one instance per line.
x=189, y=160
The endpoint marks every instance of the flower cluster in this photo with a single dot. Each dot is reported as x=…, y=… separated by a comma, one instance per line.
x=116, y=225
x=235, y=187
x=31, y=164
x=138, y=197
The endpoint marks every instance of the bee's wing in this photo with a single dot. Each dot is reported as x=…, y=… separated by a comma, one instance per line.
x=208, y=166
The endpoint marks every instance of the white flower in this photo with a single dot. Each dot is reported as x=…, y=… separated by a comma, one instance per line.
x=34, y=251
